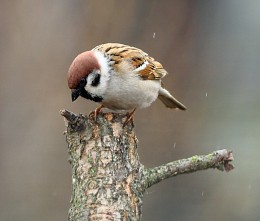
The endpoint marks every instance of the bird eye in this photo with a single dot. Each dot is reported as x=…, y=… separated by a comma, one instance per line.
x=82, y=81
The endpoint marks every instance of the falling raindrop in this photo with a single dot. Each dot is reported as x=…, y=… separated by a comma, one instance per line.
x=206, y=94
x=154, y=35
x=174, y=145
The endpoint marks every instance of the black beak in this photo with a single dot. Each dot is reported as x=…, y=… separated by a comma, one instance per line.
x=75, y=93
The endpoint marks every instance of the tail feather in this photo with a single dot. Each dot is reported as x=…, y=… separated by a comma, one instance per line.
x=169, y=101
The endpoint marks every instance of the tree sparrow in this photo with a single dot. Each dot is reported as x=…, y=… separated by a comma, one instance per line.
x=119, y=77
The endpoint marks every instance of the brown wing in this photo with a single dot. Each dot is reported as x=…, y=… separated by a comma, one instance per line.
x=152, y=70
x=126, y=58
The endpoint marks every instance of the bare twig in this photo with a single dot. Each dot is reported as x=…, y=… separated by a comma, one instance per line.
x=219, y=159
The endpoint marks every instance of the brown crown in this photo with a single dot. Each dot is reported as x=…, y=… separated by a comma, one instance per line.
x=82, y=65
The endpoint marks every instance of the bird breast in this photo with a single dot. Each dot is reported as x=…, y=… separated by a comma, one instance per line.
x=126, y=91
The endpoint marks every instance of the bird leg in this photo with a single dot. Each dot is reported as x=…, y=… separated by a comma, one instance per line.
x=97, y=110
x=129, y=118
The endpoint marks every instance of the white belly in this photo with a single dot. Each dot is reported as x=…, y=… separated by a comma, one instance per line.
x=125, y=92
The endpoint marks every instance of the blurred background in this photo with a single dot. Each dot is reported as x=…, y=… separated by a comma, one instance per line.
x=211, y=50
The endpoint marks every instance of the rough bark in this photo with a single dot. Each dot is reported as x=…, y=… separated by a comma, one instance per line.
x=108, y=180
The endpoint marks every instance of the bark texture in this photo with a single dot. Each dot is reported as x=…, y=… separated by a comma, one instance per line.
x=108, y=180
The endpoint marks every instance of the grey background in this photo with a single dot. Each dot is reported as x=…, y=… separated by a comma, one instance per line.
x=211, y=50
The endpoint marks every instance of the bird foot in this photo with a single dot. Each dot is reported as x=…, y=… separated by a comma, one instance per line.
x=129, y=118
x=97, y=111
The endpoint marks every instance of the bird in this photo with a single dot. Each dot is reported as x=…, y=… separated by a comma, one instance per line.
x=120, y=78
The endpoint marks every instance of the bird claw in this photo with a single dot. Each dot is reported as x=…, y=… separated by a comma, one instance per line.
x=129, y=118
x=97, y=111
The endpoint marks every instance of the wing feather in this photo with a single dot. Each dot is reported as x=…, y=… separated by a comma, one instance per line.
x=126, y=58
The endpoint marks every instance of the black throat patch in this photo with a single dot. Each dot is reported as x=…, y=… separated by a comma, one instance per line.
x=90, y=96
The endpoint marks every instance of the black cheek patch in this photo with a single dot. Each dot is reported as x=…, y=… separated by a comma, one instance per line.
x=96, y=80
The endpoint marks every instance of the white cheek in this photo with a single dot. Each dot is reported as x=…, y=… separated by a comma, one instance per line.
x=90, y=78
x=100, y=89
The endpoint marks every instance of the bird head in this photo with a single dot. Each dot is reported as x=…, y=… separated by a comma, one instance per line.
x=83, y=76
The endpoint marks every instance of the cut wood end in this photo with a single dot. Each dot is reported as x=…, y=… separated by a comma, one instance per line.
x=68, y=115
x=229, y=158
x=76, y=122
x=224, y=158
